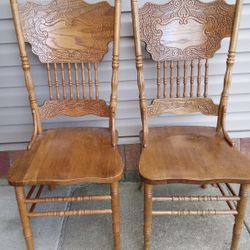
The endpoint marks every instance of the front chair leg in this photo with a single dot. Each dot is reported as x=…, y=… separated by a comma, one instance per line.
x=115, y=203
x=23, y=211
x=239, y=220
x=147, y=215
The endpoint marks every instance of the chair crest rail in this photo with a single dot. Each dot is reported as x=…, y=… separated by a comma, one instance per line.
x=163, y=26
x=48, y=27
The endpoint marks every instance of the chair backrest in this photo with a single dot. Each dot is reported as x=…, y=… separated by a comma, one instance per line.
x=70, y=37
x=181, y=36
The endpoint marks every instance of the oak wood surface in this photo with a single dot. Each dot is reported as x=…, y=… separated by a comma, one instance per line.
x=64, y=31
x=182, y=106
x=68, y=156
x=191, y=155
x=180, y=30
x=73, y=108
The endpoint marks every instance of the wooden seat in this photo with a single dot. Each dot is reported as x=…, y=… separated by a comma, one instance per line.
x=70, y=39
x=191, y=155
x=181, y=37
x=68, y=156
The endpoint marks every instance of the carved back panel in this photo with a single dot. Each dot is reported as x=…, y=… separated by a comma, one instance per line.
x=185, y=29
x=181, y=36
x=70, y=37
x=68, y=30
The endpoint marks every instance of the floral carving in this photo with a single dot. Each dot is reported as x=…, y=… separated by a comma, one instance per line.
x=214, y=20
x=74, y=108
x=182, y=106
x=68, y=30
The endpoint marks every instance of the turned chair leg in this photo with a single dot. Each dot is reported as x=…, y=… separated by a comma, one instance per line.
x=147, y=215
x=115, y=203
x=23, y=211
x=239, y=220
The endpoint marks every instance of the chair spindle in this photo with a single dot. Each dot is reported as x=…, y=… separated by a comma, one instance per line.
x=56, y=81
x=63, y=81
x=77, y=81
x=83, y=81
x=199, y=78
x=70, y=81
x=49, y=82
x=206, y=79
x=171, y=79
x=90, y=81
x=158, y=66
x=185, y=79
x=178, y=80
x=165, y=79
x=96, y=81
x=192, y=79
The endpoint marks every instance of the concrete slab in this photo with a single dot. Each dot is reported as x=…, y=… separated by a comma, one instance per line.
x=46, y=231
x=3, y=181
x=174, y=233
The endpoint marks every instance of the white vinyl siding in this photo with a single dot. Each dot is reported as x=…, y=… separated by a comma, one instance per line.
x=15, y=117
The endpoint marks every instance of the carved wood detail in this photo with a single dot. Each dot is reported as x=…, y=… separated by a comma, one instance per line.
x=74, y=108
x=182, y=106
x=64, y=31
x=185, y=29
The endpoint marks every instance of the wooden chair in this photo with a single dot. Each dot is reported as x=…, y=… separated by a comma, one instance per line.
x=70, y=37
x=181, y=37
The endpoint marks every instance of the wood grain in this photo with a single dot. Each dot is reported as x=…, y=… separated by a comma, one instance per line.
x=182, y=106
x=191, y=155
x=148, y=193
x=180, y=30
x=23, y=210
x=74, y=108
x=68, y=156
x=64, y=31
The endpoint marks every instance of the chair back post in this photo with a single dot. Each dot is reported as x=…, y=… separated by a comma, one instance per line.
x=115, y=71
x=26, y=68
x=139, y=66
x=229, y=68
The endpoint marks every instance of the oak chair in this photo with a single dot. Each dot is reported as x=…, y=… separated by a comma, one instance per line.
x=71, y=45
x=181, y=36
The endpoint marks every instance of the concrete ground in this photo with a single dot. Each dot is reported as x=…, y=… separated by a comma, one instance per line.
x=95, y=232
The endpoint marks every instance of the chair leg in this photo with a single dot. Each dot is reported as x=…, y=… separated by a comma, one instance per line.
x=115, y=203
x=23, y=211
x=239, y=220
x=147, y=215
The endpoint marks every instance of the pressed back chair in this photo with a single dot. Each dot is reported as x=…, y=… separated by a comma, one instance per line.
x=181, y=37
x=70, y=37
